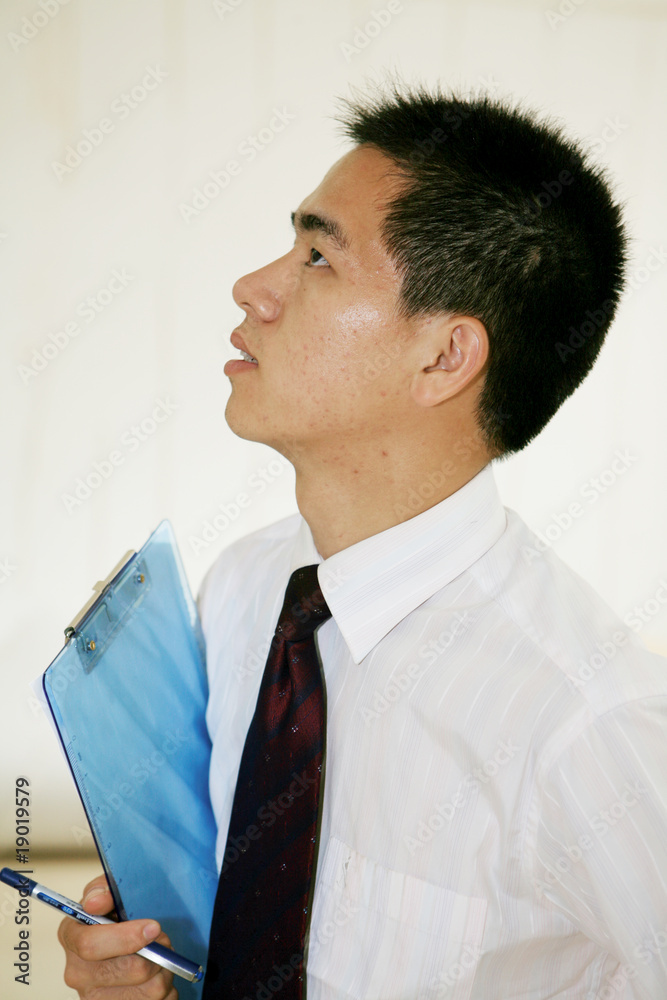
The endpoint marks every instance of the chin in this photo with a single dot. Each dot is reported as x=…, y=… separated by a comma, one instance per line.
x=240, y=425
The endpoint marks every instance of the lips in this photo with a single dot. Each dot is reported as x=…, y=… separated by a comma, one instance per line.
x=246, y=363
x=239, y=343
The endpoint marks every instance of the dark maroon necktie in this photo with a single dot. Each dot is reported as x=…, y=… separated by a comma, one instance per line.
x=262, y=906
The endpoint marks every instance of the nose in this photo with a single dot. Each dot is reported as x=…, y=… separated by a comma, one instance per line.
x=261, y=293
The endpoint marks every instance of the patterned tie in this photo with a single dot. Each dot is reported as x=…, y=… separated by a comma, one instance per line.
x=264, y=895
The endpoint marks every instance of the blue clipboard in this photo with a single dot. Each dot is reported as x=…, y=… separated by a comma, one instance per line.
x=128, y=696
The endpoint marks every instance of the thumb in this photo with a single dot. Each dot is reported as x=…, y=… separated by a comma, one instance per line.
x=97, y=898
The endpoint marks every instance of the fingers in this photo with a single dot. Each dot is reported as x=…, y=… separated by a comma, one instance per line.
x=128, y=978
x=97, y=898
x=95, y=944
x=114, y=976
x=99, y=882
x=102, y=957
x=107, y=960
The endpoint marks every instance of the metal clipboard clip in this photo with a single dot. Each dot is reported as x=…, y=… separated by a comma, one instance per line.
x=98, y=590
x=114, y=600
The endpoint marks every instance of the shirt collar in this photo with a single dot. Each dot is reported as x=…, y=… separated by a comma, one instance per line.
x=372, y=585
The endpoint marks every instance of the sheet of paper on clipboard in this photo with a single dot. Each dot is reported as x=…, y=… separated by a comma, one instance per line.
x=128, y=695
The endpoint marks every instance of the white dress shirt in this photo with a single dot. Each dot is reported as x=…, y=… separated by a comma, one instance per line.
x=495, y=805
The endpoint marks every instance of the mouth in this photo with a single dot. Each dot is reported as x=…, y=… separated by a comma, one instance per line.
x=239, y=343
x=247, y=361
x=248, y=357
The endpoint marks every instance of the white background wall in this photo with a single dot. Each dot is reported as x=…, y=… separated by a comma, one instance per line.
x=165, y=336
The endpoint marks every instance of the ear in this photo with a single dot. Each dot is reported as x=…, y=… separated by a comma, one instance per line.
x=452, y=351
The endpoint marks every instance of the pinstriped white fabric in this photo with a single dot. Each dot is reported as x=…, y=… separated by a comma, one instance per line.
x=495, y=807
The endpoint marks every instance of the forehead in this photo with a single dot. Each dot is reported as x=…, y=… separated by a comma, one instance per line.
x=354, y=193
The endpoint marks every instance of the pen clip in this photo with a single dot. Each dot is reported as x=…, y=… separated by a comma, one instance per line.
x=98, y=590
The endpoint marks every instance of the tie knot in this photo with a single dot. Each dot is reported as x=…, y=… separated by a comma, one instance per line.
x=304, y=607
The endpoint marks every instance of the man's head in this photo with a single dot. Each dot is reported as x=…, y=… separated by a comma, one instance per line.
x=502, y=218
x=342, y=376
x=435, y=270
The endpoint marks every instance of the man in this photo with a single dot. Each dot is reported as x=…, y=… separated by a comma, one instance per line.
x=494, y=814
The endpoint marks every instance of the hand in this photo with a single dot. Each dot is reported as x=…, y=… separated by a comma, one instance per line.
x=101, y=960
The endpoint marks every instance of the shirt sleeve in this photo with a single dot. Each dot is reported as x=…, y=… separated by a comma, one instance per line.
x=601, y=840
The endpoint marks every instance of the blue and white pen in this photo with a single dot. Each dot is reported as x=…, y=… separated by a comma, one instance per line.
x=155, y=952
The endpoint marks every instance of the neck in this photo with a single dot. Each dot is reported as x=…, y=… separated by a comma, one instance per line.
x=344, y=502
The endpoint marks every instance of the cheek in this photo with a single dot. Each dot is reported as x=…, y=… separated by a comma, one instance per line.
x=355, y=332
x=343, y=344
x=358, y=320
x=370, y=341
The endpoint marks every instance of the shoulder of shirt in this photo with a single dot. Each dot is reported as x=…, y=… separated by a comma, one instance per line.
x=247, y=556
x=574, y=631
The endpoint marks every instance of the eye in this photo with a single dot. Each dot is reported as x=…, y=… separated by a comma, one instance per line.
x=319, y=260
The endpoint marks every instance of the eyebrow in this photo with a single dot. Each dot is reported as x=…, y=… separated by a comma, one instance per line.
x=309, y=222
